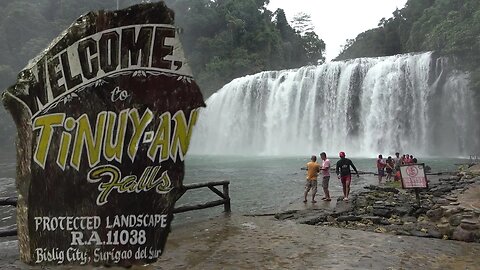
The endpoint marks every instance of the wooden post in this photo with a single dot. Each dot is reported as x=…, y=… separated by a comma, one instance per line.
x=8, y=232
x=225, y=201
x=417, y=195
x=8, y=201
x=227, y=198
x=182, y=209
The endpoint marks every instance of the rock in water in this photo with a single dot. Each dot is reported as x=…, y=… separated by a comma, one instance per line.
x=104, y=117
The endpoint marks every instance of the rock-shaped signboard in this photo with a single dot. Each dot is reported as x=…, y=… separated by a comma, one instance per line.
x=104, y=118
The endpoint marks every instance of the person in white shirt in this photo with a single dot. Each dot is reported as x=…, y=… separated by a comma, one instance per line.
x=326, y=175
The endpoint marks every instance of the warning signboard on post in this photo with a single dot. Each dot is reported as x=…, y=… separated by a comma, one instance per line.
x=413, y=176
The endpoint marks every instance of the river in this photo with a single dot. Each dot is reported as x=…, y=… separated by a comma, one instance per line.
x=209, y=239
x=259, y=184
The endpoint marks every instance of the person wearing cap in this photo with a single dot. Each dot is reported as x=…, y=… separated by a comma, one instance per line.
x=344, y=174
x=313, y=168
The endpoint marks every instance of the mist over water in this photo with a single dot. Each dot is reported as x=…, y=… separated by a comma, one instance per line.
x=412, y=103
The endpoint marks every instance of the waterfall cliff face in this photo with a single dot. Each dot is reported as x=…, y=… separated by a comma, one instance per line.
x=408, y=103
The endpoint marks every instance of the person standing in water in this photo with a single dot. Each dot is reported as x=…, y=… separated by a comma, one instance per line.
x=398, y=161
x=344, y=174
x=407, y=159
x=326, y=176
x=380, y=168
x=313, y=168
x=390, y=166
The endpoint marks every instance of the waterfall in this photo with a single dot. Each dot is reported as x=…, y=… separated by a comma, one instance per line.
x=412, y=103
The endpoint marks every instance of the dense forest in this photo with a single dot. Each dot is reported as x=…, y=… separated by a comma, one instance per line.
x=226, y=39
x=449, y=27
x=223, y=39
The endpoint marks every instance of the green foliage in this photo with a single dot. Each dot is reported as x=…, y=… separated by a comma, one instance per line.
x=367, y=44
x=302, y=23
x=314, y=48
x=450, y=27
x=225, y=39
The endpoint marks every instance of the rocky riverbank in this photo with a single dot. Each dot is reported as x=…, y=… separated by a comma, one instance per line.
x=448, y=209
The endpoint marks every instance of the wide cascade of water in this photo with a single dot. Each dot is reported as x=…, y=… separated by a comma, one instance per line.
x=413, y=103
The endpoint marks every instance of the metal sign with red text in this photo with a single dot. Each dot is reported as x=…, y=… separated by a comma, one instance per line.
x=413, y=176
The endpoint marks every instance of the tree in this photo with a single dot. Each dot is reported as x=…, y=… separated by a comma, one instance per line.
x=348, y=43
x=302, y=23
x=314, y=48
x=449, y=27
x=282, y=25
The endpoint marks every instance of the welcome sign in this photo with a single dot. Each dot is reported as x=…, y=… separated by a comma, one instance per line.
x=104, y=118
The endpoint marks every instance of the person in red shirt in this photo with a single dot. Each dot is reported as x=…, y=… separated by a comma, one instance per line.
x=407, y=159
x=381, y=164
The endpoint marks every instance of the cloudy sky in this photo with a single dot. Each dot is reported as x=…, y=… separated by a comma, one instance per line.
x=338, y=20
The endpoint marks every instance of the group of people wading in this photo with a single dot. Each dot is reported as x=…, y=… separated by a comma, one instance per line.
x=391, y=166
x=342, y=170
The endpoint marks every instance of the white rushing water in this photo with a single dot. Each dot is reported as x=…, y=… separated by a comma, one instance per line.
x=409, y=103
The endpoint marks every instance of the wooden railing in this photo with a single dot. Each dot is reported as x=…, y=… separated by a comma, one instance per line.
x=211, y=185
x=8, y=201
x=12, y=201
